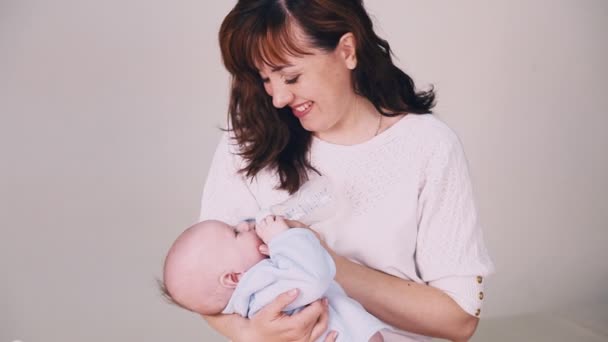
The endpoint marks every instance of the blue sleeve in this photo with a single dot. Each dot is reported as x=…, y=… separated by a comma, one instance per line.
x=297, y=260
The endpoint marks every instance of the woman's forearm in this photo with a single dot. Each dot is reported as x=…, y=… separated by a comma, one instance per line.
x=228, y=325
x=407, y=305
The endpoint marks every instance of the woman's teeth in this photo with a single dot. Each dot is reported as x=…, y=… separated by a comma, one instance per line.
x=304, y=107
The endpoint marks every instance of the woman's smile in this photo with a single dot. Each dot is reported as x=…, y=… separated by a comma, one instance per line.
x=301, y=110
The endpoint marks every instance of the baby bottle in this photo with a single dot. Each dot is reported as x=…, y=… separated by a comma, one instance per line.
x=316, y=200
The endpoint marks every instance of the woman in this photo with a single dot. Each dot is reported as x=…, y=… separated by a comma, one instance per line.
x=314, y=91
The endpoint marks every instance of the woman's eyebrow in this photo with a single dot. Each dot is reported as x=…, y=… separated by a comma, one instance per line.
x=281, y=67
x=275, y=69
x=278, y=68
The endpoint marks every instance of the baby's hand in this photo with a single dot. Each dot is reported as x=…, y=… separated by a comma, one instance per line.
x=270, y=227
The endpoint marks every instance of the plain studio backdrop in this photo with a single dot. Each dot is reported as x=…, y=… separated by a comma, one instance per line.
x=110, y=113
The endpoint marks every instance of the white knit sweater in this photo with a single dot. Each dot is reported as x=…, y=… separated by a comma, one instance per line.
x=410, y=212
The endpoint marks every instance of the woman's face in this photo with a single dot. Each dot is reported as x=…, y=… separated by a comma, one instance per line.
x=316, y=87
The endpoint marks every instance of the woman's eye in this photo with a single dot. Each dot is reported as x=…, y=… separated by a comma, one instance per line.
x=292, y=80
x=265, y=79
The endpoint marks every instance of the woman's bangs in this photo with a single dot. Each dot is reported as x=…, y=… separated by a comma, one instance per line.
x=273, y=48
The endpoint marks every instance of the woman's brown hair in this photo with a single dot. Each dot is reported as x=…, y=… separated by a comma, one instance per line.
x=258, y=32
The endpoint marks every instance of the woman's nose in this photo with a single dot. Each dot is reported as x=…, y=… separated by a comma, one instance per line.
x=281, y=96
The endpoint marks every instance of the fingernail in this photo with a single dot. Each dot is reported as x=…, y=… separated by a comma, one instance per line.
x=325, y=301
x=334, y=334
x=293, y=292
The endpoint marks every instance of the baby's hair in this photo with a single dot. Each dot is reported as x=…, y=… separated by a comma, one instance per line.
x=166, y=295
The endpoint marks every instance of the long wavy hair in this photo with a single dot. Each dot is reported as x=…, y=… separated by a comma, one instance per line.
x=258, y=32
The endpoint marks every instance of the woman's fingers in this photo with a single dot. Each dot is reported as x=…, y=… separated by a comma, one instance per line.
x=275, y=308
x=305, y=320
x=331, y=337
x=322, y=323
x=309, y=324
x=295, y=224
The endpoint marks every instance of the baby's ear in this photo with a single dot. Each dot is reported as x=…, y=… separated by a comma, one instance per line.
x=230, y=279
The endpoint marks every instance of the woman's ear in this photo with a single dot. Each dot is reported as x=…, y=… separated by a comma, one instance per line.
x=230, y=279
x=348, y=50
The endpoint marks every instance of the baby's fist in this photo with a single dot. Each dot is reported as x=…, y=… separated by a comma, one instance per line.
x=269, y=227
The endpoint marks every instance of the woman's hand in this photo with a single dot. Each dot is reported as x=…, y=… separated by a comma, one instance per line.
x=295, y=224
x=298, y=224
x=271, y=324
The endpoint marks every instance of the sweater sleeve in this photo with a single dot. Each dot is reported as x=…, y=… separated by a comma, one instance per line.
x=450, y=252
x=227, y=196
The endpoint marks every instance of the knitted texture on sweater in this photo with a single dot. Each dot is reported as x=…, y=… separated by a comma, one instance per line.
x=409, y=208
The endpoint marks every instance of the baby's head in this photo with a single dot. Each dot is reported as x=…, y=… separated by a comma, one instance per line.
x=206, y=262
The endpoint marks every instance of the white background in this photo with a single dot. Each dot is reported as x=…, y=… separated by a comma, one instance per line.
x=110, y=113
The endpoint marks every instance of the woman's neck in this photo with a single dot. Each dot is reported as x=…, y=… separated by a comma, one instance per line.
x=361, y=123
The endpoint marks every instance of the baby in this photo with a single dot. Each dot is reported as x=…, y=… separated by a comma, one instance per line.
x=215, y=268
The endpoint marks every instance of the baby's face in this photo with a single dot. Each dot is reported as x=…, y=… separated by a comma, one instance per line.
x=241, y=244
x=199, y=259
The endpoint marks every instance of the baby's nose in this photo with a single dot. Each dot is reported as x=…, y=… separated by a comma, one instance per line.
x=242, y=226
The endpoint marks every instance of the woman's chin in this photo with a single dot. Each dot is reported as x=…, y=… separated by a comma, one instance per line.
x=310, y=125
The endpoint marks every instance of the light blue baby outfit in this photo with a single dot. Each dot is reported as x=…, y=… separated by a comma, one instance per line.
x=297, y=260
